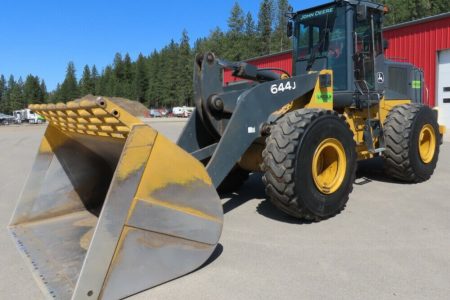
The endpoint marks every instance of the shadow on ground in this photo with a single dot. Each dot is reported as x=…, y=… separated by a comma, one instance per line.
x=253, y=190
x=216, y=253
x=367, y=172
x=372, y=170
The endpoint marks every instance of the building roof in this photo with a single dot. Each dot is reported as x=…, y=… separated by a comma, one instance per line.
x=269, y=55
x=419, y=21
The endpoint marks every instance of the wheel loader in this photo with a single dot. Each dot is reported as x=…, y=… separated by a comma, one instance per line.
x=112, y=207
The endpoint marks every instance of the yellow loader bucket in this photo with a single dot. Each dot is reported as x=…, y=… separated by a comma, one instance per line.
x=111, y=207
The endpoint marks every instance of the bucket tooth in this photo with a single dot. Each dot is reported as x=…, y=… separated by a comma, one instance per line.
x=106, y=214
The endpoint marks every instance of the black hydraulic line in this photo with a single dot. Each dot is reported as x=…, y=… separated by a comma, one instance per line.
x=275, y=69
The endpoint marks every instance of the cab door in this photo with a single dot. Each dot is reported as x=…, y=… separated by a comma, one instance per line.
x=368, y=51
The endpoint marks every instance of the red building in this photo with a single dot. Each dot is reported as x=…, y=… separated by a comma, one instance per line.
x=281, y=60
x=424, y=43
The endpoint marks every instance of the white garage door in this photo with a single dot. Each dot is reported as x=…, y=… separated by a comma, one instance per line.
x=443, y=92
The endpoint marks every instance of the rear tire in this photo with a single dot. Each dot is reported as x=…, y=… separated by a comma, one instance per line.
x=412, y=143
x=293, y=175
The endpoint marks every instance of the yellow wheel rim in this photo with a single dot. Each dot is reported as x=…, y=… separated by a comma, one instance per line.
x=427, y=143
x=329, y=166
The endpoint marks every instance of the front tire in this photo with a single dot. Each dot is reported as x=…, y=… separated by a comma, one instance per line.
x=309, y=164
x=412, y=143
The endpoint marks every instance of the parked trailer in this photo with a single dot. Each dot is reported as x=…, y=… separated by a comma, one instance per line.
x=182, y=111
x=6, y=119
x=27, y=115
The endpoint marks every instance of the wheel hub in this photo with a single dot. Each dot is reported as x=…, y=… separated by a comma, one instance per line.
x=427, y=143
x=329, y=166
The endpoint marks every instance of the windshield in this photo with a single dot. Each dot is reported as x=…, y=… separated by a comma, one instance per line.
x=322, y=34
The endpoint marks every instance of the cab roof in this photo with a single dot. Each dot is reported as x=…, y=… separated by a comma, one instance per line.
x=351, y=2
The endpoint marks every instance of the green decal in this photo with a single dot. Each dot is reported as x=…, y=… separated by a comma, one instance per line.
x=416, y=84
x=324, y=97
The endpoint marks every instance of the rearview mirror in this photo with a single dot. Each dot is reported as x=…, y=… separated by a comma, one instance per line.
x=289, y=30
x=385, y=44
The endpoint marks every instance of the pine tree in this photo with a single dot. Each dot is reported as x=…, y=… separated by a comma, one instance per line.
x=154, y=79
x=32, y=90
x=234, y=38
x=69, y=87
x=418, y=8
x=128, y=78
x=118, y=73
x=185, y=69
x=216, y=42
x=109, y=82
x=236, y=20
x=439, y=6
x=168, y=78
x=14, y=95
x=55, y=96
x=86, y=84
x=265, y=22
x=407, y=10
x=141, y=80
x=249, y=26
x=249, y=46
x=43, y=92
x=94, y=77
x=2, y=93
x=280, y=40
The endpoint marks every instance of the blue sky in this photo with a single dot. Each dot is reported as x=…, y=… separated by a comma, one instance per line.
x=40, y=37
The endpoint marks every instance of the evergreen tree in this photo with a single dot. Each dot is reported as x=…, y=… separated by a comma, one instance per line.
x=439, y=6
x=234, y=38
x=43, y=92
x=128, y=78
x=14, y=95
x=86, y=83
x=216, y=42
x=250, y=46
x=32, y=90
x=236, y=20
x=265, y=22
x=169, y=79
x=406, y=10
x=69, y=88
x=110, y=81
x=94, y=78
x=141, y=80
x=118, y=76
x=154, y=79
x=2, y=93
x=55, y=96
x=280, y=40
x=185, y=69
x=249, y=25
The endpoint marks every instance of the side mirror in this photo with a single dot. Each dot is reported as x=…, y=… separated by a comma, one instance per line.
x=385, y=44
x=289, y=29
x=361, y=12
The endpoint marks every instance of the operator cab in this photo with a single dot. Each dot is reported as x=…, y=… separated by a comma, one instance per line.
x=346, y=37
